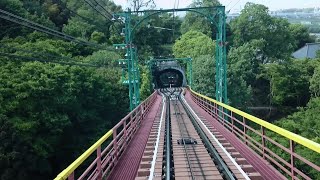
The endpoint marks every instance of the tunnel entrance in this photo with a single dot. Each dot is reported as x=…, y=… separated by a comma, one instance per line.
x=169, y=78
x=168, y=73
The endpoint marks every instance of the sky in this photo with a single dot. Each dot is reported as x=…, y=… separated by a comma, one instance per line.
x=236, y=5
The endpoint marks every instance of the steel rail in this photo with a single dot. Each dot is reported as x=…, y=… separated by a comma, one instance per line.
x=168, y=141
x=168, y=147
x=222, y=166
x=278, y=130
x=183, y=140
x=155, y=152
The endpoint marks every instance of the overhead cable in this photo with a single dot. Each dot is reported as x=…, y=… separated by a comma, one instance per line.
x=45, y=61
x=36, y=53
x=103, y=8
x=19, y=20
x=97, y=10
x=234, y=5
x=44, y=55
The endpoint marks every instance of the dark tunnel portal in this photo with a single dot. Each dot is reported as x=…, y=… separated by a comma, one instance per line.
x=169, y=76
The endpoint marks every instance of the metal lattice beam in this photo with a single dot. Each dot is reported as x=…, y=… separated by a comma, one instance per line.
x=215, y=15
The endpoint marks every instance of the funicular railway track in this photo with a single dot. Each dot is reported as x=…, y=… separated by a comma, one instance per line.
x=188, y=153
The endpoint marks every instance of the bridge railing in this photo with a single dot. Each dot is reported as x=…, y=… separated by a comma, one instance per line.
x=276, y=145
x=115, y=140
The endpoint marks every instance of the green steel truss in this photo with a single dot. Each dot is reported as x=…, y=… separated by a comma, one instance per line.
x=215, y=15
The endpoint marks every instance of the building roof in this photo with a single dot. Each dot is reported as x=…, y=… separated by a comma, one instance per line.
x=308, y=51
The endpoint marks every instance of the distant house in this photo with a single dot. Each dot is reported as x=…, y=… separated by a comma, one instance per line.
x=308, y=51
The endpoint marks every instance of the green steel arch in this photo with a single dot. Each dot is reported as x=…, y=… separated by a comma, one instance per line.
x=215, y=15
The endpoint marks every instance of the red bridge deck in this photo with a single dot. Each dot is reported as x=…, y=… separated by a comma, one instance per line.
x=266, y=170
x=128, y=164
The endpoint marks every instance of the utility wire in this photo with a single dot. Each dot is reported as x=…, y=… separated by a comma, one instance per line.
x=19, y=20
x=47, y=55
x=75, y=13
x=93, y=7
x=88, y=20
x=44, y=61
x=103, y=8
x=64, y=4
x=36, y=53
x=229, y=3
x=234, y=5
x=111, y=16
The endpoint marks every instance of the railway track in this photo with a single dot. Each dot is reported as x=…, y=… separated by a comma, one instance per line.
x=183, y=148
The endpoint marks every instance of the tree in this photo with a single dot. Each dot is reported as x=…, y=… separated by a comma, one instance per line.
x=315, y=83
x=98, y=37
x=204, y=75
x=305, y=122
x=78, y=28
x=50, y=113
x=256, y=23
x=301, y=35
x=290, y=82
x=138, y=4
x=243, y=70
x=103, y=58
x=318, y=54
x=193, y=44
x=156, y=33
x=197, y=22
x=145, y=89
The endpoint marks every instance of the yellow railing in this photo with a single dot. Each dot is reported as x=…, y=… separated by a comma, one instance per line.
x=70, y=169
x=292, y=136
x=107, y=158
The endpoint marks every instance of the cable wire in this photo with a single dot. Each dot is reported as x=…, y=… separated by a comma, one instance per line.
x=19, y=20
x=93, y=7
x=234, y=5
x=48, y=55
x=103, y=8
x=37, y=53
x=44, y=61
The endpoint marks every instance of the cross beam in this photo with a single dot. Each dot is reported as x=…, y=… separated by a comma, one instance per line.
x=215, y=15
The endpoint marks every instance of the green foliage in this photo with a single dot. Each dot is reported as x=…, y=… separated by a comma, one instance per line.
x=78, y=28
x=305, y=122
x=145, y=89
x=155, y=32
x=314, y=82
x=301, y=35
x=197, y=22
x=290, y=82
x=49, y=113
x=193, y=44
x=204, y=75
x=103, y=58
x=98, y=37
x=318, y=54
x=243, y=70
x=256, y=23
x=45, y=106
x=14, y=6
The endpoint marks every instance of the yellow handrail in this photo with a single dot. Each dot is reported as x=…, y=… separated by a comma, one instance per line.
x=297, y=138
x=65, y=173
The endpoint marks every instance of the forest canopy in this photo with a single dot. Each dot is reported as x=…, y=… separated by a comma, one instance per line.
x=58, y=96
